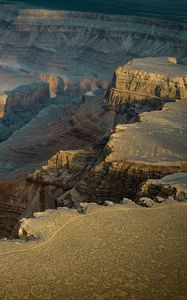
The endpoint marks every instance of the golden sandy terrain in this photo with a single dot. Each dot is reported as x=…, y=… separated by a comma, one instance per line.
x=116, y=252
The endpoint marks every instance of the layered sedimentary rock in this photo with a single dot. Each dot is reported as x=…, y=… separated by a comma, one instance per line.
x=174, y=186
x=22, y=97
x=55, y=129
x=147, y=80
x=152, y=148
x=26, y=96
x=11, y=79
x=56, y=83
x=72, y=133
x=15, y=196
x=63, y=42
x=76, y=54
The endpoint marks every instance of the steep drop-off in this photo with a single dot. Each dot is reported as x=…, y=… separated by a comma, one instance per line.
x=147, y=81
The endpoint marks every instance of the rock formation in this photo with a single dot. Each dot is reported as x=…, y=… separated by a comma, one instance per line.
x=70, y=139
x=62, y=42
x=55, y=70
x=56, y=83
x=133, y=154
x=173, y=186
x=147, y=80
x=152, y=148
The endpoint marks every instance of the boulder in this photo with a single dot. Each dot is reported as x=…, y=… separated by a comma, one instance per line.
x=146, y=202
x=108, y=203
x=126, y=201
x=82, y=208
x=180, y=195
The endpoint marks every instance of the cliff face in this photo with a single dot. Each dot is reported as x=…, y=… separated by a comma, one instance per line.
x=152, y=148
x=174, y=185
x=148, y=79
x=20, y=90
x=26, y=96
x=100, y=154
x=20, y=105
x=72, y=134
x=56, y=83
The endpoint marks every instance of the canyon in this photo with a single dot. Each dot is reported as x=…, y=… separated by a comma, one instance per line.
x=92, y=122
x=56, y=102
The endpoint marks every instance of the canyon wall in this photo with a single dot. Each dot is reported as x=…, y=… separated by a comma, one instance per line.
x=117, y=168
x=147, y=80
x=20, y=105
x=75, y=43
x=56, y=83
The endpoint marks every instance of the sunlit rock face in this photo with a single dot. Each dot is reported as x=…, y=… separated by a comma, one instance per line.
x=152, y=148
x=148, y=79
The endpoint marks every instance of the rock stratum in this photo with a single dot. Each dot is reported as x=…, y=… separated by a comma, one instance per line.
x=63, y=42
x=146, y=80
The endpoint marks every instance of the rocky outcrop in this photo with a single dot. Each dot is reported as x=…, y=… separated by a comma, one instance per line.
x=65, y=166
x=13, y=203
x=147, y=80
x=61, y=174
x=173, y=186
x=152, y=148
x=56, y=83
x=76, y=135
x=133, y=154
x=26, y=96
x=20, y=105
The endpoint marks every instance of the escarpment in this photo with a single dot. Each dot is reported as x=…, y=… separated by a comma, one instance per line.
x=63, y=42
x=147, y=80
x=56, y=83
x=174, y=186
x=20, y=105
x=133, y=154
x=101, y=154
x=152, y=148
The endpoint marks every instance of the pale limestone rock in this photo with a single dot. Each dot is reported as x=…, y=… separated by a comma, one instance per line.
x=108, y=203
x=82, y=208
x=147, y=79
x=146, y=202
x=160, y=199
x=180, y=195
x=126, y=201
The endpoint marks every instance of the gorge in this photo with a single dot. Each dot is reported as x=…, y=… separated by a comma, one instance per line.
x=92, y=118
x=61, y=96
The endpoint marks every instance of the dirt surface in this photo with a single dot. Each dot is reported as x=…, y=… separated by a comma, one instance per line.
x=117, y=252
